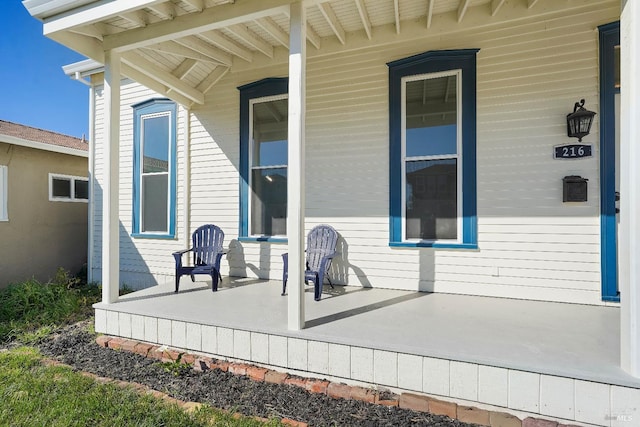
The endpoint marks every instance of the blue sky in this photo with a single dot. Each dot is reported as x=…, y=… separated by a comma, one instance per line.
x=33, y=89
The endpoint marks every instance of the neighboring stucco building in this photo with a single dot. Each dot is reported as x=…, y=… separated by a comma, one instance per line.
x=43, y=203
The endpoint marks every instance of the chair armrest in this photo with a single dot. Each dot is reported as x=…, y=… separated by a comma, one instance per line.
x=330, y=256
x=326, y=259
x=178, y=256
x=182, y=252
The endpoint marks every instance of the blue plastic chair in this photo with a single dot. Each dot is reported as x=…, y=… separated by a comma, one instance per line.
x=207, y=252
x=321, y=248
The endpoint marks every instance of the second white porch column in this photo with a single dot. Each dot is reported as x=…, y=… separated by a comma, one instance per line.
x=296, y=170
x=629, y=257
x=111, y=187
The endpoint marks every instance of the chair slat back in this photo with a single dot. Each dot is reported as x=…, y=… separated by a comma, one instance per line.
x=321, y=241
x=208, y=240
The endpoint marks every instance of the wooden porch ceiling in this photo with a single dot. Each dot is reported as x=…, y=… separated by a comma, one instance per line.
x=182, y=48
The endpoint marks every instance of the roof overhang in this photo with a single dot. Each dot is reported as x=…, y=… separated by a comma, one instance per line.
x=182, y=48
x=43, y=9
x=8, y=139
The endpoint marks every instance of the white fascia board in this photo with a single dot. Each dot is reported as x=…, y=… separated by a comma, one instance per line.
x=42, y=146
x=84, y=14
x=86, y=68
x=42, y=9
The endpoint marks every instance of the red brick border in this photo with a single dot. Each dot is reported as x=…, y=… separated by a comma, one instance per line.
x=415, y=402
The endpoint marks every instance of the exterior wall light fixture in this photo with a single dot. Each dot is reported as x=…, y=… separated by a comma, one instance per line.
x=579, y=122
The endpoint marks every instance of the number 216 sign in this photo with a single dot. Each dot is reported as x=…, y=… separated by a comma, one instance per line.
x=572, y=151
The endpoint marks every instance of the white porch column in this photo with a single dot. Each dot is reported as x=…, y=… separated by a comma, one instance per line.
x=629, y=257
x=110, y=189
x=296, y=169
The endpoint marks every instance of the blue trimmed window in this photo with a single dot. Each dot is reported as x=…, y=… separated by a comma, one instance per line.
x=432, y=150
x=154, y=169
x=263, y=160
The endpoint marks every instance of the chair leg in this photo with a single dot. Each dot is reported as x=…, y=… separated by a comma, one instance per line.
x=214, y=280
x=317, y=289
x=177, y=282
x=330, y=284
x=284, y=287
x=193, y=279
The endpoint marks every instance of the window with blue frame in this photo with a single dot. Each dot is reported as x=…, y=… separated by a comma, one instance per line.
x=154, y=168
x=432, y=148
x=263, y=159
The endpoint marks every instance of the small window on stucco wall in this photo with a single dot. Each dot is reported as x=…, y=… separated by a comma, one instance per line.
x=66, y=188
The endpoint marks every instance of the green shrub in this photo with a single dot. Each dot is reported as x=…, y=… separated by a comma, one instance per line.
x=31, y=308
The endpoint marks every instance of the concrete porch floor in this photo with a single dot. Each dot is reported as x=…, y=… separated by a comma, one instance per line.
x=566, y=340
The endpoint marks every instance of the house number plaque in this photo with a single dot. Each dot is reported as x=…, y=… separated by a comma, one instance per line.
x=572, y=151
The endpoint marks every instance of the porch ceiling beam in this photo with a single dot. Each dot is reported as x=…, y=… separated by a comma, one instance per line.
x=414, y=30
x=430, y=4
x=364, y=17
x=196, y=4
x=205, y=48
x=462, y=9
x=313, y=37
x=92, y=13
x=155, y=85
x=145, y=66
x=213, y=78
x=396, y=14
x=332, y=20
x=138, y=17
x=270, y=26
x=90, y=30
x=218, y=39
x=531, y=3
x=241, y=31
x=166, y=10
x=185, y=25
x=177, y=49
x=495, y=6
x=184, y=68
x=86, y=45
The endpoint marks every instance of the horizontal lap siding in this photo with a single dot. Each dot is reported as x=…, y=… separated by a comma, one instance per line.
x=143, y=262
x=531, y=245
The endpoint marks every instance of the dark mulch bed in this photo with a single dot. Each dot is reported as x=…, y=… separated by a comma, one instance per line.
x=76, y=347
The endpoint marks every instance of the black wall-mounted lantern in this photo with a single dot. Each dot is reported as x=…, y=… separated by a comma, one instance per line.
x=579, y=122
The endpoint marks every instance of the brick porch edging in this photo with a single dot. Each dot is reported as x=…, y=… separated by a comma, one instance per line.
x=410, y=401
x=185, y=405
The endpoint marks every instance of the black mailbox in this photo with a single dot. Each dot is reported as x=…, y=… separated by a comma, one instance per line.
x=574, y=189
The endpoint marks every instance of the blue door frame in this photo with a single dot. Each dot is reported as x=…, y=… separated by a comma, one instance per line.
x=609, y=39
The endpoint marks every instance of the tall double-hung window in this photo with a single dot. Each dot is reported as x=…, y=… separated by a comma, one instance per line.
x=154, y=169
x=263, y=152
x=432, y=150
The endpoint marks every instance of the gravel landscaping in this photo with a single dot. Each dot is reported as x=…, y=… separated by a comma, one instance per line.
x=75, y=346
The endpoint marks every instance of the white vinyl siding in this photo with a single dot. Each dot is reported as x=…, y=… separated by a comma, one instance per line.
x=531, y=245
x=4, y=175
x=143, y=262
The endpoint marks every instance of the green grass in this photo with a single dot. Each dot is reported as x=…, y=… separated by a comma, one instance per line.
x=31, y=310
x=36, y=395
